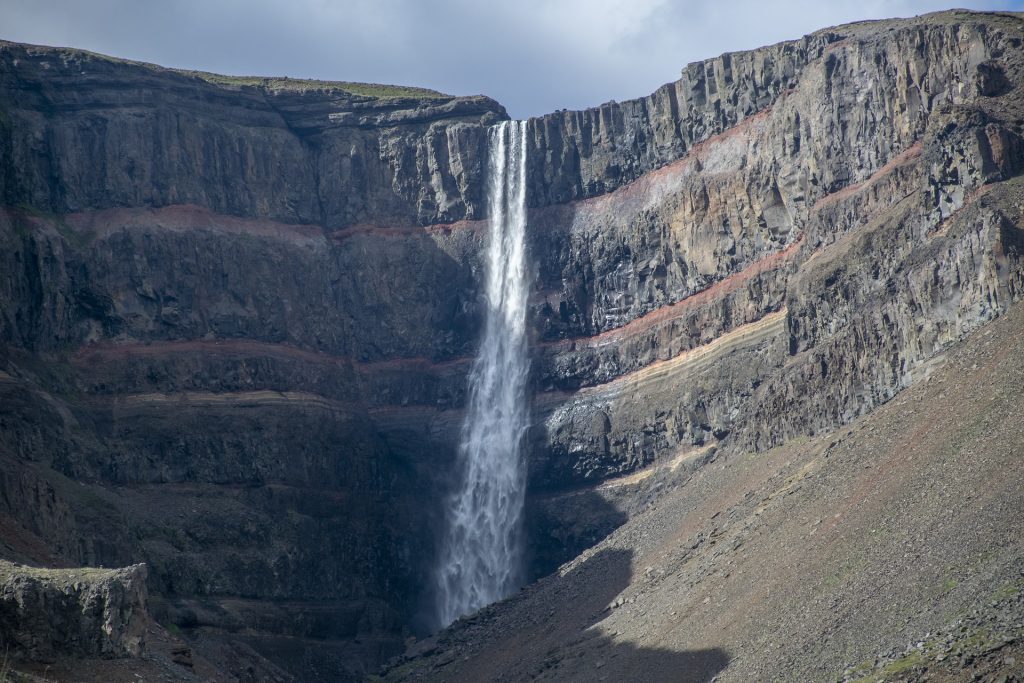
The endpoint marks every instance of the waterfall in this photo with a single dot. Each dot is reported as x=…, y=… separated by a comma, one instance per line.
x=481, y=553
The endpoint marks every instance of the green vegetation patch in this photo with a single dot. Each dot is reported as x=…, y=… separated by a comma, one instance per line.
x=1005, y=592
x=373, y=90
x=10, y=570
x=902, y=665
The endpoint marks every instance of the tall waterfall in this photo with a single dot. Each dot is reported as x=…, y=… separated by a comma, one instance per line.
x=480, y=559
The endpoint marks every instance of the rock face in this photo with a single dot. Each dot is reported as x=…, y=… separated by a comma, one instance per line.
x=82, y=131
x=236, y=316
x=91, y=612
x=789, y=273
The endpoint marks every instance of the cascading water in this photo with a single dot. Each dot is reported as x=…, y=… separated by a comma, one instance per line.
x=480, y=558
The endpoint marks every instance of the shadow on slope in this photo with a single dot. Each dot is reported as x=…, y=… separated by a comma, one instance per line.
x=552, y=630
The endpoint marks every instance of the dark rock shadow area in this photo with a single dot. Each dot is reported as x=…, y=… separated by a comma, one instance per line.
x=551, y=631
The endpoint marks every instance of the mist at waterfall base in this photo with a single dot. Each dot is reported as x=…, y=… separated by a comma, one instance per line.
x=480, y=559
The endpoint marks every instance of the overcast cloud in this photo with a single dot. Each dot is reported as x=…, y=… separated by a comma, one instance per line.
x=533, y=56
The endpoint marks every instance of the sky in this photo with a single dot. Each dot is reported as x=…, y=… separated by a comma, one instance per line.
x=533, y=56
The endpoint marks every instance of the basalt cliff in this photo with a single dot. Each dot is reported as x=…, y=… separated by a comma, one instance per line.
x=767, y=376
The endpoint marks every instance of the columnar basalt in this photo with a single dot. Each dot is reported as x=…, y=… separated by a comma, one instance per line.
x=730, y=234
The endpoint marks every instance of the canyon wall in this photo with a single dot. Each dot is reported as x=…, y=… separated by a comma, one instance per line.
x=217, y=301
x=236, y=316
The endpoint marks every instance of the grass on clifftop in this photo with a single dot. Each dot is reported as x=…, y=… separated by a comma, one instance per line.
x=11, y=570
x=375, y=90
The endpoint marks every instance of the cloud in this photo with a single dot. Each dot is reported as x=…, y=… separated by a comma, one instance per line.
x=534, y=56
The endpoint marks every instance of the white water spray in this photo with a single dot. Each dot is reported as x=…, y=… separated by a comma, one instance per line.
x=481, y=554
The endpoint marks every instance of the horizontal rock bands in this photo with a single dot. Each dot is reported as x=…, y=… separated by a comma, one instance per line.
x=699, y=357
x=674, y=311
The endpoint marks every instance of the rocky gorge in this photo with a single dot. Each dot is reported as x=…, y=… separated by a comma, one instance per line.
x=237, y=316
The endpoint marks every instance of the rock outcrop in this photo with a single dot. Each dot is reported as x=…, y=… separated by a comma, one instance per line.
x=236, y=315
x=83, y=611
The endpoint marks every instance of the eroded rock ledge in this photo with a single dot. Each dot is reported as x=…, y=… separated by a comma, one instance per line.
x=82, y=611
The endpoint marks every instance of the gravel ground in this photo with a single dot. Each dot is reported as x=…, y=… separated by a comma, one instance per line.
x=890, y=549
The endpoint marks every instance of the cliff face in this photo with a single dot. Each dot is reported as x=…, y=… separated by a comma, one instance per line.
x=82, y=131
x=214, y=298
x=237, y=318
